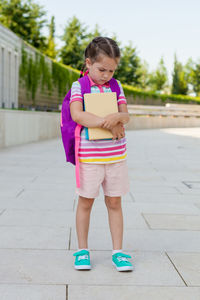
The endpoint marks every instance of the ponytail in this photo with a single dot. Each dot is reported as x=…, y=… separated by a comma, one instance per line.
x=82, y=70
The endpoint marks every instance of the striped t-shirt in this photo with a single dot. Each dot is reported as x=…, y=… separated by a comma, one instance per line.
x=99, y=151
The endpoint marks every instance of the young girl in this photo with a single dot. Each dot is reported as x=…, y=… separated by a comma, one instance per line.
x=102, y=162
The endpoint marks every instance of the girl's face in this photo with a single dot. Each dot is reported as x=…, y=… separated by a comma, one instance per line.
x=102, y=70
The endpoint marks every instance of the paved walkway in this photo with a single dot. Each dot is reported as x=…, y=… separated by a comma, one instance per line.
x=161, y=223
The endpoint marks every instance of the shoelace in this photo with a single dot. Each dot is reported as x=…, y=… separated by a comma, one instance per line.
x=120, y=258
x=83, y=257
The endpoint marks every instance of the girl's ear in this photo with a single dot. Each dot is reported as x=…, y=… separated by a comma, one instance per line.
x=88, y=63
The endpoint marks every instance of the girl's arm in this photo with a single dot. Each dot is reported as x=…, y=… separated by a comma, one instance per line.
x=121, y=117
x=84, y=118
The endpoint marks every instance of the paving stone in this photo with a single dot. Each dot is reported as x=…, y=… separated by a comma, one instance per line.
x=163, y=208
x=154, y=190
x=173, y=222
x=32, y=292
x=91, y=292
x=37, y=218
x=161, y=223
x=166, y=198
x=187, y=191
x=34, y=237
x=6, y=192
x=99, y=219
x=37, y=202
x=197, y=205
x=56, y=267
x=50, y=186
x=188, y=265
x=143, y=240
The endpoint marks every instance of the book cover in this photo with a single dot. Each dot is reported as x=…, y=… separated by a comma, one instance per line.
x=100, y=104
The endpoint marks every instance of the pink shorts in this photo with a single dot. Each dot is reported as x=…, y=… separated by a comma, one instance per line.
x=113, y=178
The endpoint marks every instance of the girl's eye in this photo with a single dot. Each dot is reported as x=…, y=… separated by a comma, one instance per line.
x=101, y=70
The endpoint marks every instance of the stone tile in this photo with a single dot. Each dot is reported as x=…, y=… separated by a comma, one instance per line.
x=38, y=202
x=34, y=237
x=143, y=240
x=191, y=132
x=10, y=192
x=173, y=222
x=188, y=265
x=197, y=205
x=67, y=184
x=99, y=215
x=150, y=207
x=187, y=191
x=165, y=198
x=48, y=195
x=32, y=292
x=99, y=219
x=143, y=175
x=60, y=178
x=64, y=188
x=91, y=292
x=37, y=218
x=56, y=267
x=164, y=208
x=156, y=190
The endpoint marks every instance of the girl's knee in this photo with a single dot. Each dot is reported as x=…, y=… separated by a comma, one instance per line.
x=113, y=202
x=86, y=203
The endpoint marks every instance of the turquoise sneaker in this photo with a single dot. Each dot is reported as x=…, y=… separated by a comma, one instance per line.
x=120, y=261
x=82, y=261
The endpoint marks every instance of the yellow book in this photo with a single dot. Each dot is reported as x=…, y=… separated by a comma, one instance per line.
x=100, y=104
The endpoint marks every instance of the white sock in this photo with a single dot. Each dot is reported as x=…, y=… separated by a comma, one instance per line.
x=116, y=251
x=83, y=249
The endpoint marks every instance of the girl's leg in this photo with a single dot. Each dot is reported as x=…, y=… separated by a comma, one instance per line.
x=83, y=220
x=115, y=220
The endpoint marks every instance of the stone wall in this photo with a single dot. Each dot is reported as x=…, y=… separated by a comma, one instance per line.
x=21, y=127
x=10, y=49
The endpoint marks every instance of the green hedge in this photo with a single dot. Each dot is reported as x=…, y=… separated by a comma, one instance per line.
x=37, y=72
x=135, y=92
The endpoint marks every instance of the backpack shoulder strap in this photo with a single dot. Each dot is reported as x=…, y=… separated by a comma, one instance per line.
x=85, y=85
x=114, y=86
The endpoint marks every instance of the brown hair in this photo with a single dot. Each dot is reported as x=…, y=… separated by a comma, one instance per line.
x=101, y=45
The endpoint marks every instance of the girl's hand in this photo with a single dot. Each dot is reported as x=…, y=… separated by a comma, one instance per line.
x=118, y=131
x=110, y=121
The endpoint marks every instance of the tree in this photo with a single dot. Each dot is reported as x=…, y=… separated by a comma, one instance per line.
x=26, y=19
x=127, y=71
x=72, y=53
x=51, y=46
x=158, y=78
x=192, y=71
x=143, y=70
x=179, y=84
x=196, y=79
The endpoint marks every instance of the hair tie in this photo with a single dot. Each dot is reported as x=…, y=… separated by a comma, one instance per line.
x=81, y=72
x=86, y=72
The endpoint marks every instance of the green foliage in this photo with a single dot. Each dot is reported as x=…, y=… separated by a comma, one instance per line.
x=72, y=53
x=39, y=75
x=26, y=19
x=132, y=91
x=195, y=78
x=158, y=78
x=143, y=70
x=179, y=84
x=127, y=71
x=51, y=46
